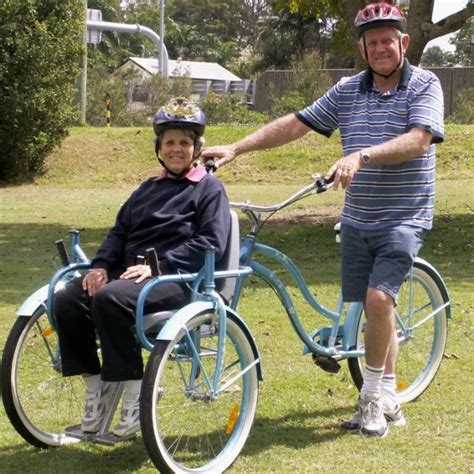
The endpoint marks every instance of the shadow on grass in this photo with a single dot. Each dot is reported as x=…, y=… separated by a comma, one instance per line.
x=126, y=457
x=295, y=430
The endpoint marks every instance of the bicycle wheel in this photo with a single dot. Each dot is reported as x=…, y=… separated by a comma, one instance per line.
x=185, y=427
x=422, y=334
x=39, y=402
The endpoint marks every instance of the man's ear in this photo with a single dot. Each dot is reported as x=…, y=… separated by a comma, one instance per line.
x=405, y=43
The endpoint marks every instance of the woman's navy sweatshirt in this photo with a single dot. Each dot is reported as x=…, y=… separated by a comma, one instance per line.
x=180, y=219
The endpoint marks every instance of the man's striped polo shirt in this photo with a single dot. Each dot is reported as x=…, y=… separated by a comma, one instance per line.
x=384, y=195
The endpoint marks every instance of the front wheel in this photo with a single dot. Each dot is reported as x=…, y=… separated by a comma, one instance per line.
x=422, y=334
x=39, y=402
x=193, y=420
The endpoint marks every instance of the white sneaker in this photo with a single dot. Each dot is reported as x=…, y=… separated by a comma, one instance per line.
x=373, y=422
x=392, y=412
x=129, y=422
x=96, y=408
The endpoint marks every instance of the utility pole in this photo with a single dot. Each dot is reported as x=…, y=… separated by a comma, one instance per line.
x=83, y=77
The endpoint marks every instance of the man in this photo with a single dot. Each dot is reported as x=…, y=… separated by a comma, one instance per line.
x=389, y=117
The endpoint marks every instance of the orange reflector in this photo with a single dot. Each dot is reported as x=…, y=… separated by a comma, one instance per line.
x=232, y=419
x=401, y=386
x=48, y=331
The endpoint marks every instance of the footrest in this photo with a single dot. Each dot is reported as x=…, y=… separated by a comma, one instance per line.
x=109, y=439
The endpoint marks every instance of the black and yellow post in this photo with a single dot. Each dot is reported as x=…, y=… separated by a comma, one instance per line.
x=108, y=102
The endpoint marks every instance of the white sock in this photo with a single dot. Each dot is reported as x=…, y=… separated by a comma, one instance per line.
x=389, y=388
x=93, y=382
x=131, y=389
x=372, y=381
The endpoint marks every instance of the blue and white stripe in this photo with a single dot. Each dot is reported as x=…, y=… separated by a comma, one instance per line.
x=384, y=195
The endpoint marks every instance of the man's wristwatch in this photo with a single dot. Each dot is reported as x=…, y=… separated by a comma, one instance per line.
x=364, y=157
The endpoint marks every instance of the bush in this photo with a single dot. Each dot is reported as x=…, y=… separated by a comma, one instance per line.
x=40, y=45
x=463, y=107
x=229, y=109
x=310, y=84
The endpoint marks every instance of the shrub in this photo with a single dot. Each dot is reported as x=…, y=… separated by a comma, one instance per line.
x=229, y=109
x=310, y=83
x=40, y=44
x=463, y=107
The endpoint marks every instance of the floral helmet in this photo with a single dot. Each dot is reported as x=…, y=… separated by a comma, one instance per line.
x=380, y=14
x=180, y=113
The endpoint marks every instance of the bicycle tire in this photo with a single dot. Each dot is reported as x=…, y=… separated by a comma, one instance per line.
x=38, y=400
x=421, y=349
x=184, y=430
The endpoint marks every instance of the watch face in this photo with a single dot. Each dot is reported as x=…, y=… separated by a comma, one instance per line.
x=365, y=158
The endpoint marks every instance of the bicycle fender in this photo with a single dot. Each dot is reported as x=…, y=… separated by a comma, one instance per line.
x=178, y=320
x=33, y=302
x=420, y=262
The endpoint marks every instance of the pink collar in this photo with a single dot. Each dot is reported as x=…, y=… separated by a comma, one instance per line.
x=195, y=174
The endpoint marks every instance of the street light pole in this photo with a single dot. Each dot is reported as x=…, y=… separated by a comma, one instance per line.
x=162, y=34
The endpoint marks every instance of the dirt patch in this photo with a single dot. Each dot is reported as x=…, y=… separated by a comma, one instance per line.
x=320, y=215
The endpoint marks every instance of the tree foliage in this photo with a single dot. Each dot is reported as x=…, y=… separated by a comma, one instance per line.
x=463, y=41
x=419, y=17
x=40, y=44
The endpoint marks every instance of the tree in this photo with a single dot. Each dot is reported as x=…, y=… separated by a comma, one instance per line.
x=464, y=43
x=419, y=17
x=40, y=45
x=436, y=57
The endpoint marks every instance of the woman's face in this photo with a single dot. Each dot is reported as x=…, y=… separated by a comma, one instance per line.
x=176, y=150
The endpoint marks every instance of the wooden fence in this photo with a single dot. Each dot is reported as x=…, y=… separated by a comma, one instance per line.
x=274, y=84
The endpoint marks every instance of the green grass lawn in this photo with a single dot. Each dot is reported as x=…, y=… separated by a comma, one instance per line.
x=296, y=426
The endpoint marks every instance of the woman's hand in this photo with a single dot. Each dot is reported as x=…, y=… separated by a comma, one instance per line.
x=95, y=280
x=140, y=272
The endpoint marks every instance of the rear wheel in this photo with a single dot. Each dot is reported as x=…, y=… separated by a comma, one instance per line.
x=186, y=426
x=422, y=334
x=39, y=402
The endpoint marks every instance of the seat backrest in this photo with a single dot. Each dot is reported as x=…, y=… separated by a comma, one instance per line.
x=226, y=286
x=231, y=259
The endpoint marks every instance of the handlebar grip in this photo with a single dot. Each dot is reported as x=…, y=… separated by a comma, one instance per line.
x=322, y=184
x=210, y=166
x=62, y=252
x=153, y=262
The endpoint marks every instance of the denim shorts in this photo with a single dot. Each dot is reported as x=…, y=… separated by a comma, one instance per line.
x=379, y=259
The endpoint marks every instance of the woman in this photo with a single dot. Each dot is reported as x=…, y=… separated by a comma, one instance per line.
x=179, y=213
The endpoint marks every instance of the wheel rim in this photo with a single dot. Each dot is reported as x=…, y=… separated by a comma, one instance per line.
x=45, y=402
x=195, y=430
x=421, y=338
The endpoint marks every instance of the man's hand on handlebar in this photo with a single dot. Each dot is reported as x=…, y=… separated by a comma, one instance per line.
x=344, y=170
x=221, y=154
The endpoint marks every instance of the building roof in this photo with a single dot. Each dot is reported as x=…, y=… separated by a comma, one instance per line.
x=193, y=69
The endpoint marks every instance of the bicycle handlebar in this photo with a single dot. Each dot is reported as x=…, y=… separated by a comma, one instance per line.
x=319, y=185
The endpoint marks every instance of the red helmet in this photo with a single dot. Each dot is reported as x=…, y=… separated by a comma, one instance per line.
x=380, y=14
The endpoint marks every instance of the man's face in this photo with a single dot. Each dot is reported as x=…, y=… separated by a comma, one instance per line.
x=383, y=48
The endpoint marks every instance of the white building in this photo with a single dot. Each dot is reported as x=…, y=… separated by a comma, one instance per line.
x=205, y=77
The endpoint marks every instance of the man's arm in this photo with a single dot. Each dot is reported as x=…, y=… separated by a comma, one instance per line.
x=405, y=147
x=279, y=132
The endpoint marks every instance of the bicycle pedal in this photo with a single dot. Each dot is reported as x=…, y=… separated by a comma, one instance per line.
x=328, y=364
